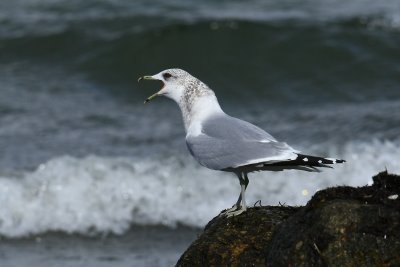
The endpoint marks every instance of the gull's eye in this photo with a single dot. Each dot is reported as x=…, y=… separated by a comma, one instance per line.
x=167, y=75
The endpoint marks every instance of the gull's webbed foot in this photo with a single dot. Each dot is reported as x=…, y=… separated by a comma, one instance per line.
x=234, y=211
x=225, y=212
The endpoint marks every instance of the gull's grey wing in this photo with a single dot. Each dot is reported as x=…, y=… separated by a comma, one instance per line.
x=227, y=127
x=227, y=142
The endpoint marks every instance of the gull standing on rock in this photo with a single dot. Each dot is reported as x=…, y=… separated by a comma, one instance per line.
x=221, y=142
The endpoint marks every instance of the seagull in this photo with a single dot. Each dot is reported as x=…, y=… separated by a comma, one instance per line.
x=225, y=143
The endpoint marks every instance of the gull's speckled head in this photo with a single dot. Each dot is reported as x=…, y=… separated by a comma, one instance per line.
x=174, y=82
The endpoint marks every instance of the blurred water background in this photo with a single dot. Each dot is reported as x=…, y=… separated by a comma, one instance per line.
x=89, y=176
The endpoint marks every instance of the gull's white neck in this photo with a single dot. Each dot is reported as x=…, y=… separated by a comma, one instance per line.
x=198, y=109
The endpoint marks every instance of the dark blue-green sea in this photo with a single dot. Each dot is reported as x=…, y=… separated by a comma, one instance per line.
x=89, y=176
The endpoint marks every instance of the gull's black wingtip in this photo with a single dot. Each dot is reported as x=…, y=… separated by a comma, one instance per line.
x=317, y=161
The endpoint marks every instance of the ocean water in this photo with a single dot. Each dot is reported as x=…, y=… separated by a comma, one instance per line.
x=89, y=171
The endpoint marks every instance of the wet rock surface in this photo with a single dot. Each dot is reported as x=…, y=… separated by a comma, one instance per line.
x=339, y=226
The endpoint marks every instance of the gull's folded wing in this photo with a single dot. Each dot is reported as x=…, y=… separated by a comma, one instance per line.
x=227, y=142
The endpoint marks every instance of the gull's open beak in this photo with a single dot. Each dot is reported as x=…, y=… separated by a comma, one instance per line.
x=149, y=78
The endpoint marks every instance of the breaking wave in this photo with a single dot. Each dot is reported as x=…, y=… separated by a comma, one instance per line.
x=94, y=194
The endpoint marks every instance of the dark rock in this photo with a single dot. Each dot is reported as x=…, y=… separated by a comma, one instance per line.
x=235, y=240
x=339, y=226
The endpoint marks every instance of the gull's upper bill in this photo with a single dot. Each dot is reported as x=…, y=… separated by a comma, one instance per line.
x=221, y=142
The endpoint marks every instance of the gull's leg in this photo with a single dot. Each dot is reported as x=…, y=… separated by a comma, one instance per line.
x=243, y=190
x=240, y=205
x=237, y=205
x=244, y=182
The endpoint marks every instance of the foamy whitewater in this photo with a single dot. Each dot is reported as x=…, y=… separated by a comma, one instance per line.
x=97, y=194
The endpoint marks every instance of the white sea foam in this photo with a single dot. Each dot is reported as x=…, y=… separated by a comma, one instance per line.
x=96, y=194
